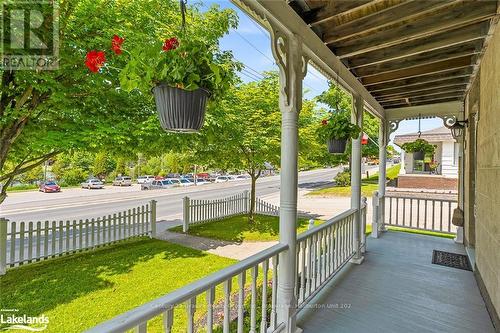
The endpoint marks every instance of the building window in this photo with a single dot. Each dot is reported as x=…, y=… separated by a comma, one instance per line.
x=456, y=149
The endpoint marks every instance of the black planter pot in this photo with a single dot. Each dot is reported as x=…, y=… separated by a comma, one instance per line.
x=418, y=156
x=336, y=146
x=180, y=110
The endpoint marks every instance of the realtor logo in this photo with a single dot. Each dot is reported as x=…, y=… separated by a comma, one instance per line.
x=10, y=319
x=29, y=35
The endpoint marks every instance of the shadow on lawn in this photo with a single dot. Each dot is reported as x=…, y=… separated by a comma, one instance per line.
x=234, y=228
x=37, y=288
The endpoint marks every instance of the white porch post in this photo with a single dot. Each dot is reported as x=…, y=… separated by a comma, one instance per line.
x=382, y=158
x=287, y=50
x=357, y=118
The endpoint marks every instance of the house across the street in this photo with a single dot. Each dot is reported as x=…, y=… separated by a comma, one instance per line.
x=439, y=171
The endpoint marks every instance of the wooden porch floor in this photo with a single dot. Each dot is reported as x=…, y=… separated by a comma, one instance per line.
x=398, y=289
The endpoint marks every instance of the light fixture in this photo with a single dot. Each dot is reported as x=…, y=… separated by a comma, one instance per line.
x=457, y=129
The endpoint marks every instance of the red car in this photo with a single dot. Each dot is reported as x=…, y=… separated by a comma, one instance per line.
x=50, y=186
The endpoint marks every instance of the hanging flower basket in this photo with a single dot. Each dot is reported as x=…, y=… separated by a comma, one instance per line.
x=418, y=155
x=180, y=110
x=336, y=146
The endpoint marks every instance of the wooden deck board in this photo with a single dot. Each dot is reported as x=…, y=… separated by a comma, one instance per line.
x=398, y=289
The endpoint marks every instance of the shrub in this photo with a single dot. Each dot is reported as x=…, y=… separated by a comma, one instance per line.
x=343, y=179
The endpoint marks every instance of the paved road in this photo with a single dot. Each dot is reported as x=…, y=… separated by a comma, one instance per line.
x=80, y=204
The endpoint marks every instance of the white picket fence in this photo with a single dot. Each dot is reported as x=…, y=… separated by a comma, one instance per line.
x=27, y=242
x=197, y=211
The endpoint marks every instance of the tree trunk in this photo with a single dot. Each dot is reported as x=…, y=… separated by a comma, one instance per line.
x=251, y=210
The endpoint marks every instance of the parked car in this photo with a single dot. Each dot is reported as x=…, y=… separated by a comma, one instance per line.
x=122, y=181
x=185, y=182
x=242, y=177
x=158, y=184
x=92, y=183
x=145, y=179
x=202, y=181
x=49, y=187
x=222, y=179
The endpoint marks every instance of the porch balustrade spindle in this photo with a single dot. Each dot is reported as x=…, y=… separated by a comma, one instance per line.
x=227, y=306
x=210, y=309
x=432, y=214
x=168, y=319
x=241, y=300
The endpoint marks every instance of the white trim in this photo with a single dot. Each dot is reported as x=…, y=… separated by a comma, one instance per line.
x=450, y=109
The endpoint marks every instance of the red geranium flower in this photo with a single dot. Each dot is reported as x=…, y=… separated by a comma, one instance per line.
x=170, y=44
x=324, y=122
x=95, y=60
x=116, y=44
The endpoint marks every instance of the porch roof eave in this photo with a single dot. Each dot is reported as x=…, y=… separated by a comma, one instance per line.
x=280, y=14
x=447, y=110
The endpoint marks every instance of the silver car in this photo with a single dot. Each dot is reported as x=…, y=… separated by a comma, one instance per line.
x=92, y=183
x=122, y=181
x=158, y=184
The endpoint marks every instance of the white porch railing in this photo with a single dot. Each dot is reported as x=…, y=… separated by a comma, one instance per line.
x=27, y=242
x=264, y=263
x=197, y=211
x=421, y=213
x=321, y=253
x=323, y=250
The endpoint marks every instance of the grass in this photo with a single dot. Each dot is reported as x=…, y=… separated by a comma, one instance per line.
x=368, y=185
x=79, y=291
x=238, y=229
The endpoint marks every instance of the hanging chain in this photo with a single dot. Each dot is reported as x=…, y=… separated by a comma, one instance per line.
x=419, y=129
x=337, y=94
x=183, y=13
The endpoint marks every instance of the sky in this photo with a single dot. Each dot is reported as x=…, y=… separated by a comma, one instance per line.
x=250, y=44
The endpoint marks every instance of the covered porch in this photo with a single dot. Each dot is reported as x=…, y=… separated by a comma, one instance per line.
x=398, y=60
x=398, y=289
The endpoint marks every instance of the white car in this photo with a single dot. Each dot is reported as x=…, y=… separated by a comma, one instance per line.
x=158, y=184
x=92, y=183
x=122, y=181
x=145, y=179
x=202, y=181
x=222, y=179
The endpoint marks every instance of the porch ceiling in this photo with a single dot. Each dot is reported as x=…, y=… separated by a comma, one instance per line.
x=405, y=52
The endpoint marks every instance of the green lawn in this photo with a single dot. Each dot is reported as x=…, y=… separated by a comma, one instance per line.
x=79, y=291
x=368, y=185
x=238, y=229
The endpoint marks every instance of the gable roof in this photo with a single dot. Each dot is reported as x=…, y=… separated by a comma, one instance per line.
x=434, y=135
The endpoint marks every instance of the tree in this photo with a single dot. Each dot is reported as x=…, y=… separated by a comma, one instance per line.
x=102, y=165
x=44, y=113
x=244, y=131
